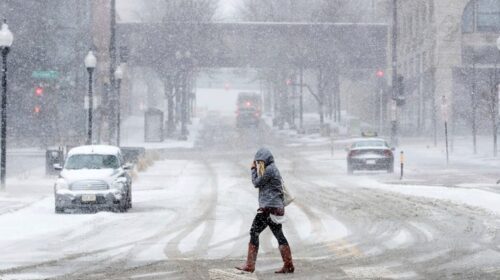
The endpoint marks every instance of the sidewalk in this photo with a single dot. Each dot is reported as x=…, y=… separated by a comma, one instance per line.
x=24, y=189
x=132, y=135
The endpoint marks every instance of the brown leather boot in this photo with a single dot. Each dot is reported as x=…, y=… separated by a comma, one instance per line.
x=286, y=255
x=249, y=266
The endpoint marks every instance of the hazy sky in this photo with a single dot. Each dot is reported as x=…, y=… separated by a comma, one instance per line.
x=128, y=10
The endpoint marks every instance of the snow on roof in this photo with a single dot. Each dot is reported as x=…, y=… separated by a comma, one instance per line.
x=95, y=149
x=367, y=139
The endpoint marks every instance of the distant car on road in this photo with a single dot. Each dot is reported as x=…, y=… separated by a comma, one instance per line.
x=248, y=111
x=370, y=154
x=93, y=177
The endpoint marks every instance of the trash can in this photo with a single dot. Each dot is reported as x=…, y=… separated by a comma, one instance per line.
x=326, y=130
x=153, y=125
x=53, y=156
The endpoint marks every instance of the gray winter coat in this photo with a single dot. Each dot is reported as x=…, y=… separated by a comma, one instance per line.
x=269, y=185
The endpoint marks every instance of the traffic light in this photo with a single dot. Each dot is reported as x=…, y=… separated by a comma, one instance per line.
x=381, y=82
x=39, y=91
x=400, y=91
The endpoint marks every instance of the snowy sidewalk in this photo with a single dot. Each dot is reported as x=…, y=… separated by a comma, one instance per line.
x=132, y=135
x=24, y=189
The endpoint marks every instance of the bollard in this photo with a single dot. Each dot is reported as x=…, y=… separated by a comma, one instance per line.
x=402, y=160
x=332, y=148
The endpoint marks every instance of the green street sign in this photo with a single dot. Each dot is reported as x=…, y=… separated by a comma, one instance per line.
x=48, y=74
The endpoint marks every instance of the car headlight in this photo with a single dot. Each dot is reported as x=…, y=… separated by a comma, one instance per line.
x=61, y=184
x=119, y=183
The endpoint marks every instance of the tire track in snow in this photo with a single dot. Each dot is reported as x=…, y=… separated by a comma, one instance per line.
x=207, y=210
x=389, y=214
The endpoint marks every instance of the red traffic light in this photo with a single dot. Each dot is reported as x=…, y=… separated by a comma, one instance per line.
x=380, y=73
x=39, y=91
x=37, y=109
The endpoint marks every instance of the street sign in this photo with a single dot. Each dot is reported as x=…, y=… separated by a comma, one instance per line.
x=45, y=74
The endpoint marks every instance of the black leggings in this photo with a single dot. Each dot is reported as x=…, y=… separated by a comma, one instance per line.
x=260, y=222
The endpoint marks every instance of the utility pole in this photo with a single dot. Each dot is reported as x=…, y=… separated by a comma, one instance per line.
x=301, y=99
x=474, y=105
x=112, y=64
x=394, y=123
x=445, y=119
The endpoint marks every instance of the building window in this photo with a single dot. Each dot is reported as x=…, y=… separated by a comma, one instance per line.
x=424, y=14
x=425, y=61
x=481, y=16
x=431, y=11
x=410, y=26
x=488, y=16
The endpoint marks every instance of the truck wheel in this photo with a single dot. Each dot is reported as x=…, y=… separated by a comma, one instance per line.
x=59, y=210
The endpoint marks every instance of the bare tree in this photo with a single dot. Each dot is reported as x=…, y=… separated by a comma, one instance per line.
x=187, y=42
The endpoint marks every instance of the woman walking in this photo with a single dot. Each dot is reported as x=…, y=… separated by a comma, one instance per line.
x=266, y=177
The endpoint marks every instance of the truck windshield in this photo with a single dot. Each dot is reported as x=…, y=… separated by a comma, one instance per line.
x=92, y=162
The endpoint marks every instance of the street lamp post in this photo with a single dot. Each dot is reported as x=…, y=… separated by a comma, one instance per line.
x=185, y=63
x=90, y=63
x=445, y=119
x=6, y=39
x=496, y=114
x=118, y=78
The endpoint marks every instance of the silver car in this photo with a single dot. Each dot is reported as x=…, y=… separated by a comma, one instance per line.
x=93, y=177
x=370, y=154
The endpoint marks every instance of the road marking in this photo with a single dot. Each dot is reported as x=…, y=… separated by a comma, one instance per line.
x=491, y=269
x=154, y=274
x=377, y=272
x=228, y=274
x=368, y=272
x=344, y=248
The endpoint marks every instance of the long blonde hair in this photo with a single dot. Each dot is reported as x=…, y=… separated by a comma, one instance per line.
x=261, y=167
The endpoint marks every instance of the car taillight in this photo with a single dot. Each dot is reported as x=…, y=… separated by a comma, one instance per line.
x=388, y=153
x=352, y=153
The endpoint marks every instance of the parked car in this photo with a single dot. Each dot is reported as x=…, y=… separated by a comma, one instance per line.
x=370, y=154
x=93, y=177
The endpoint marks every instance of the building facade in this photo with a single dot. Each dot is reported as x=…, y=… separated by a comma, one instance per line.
x=447, y=54
x=46, y=77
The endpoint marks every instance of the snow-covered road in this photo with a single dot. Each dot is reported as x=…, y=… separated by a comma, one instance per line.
x=192, y=211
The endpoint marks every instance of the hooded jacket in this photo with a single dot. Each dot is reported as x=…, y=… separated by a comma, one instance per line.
x=269, y=185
